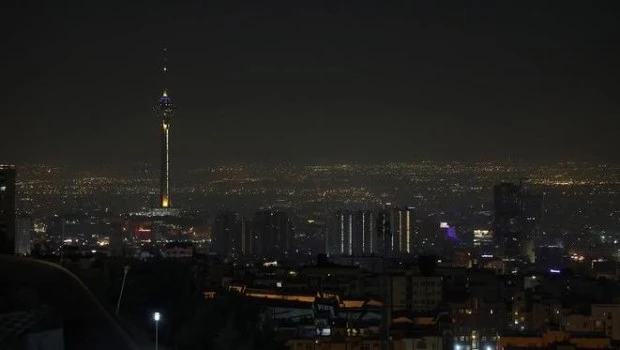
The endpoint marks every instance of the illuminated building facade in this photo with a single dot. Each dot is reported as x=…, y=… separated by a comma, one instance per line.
x=483, y=240
x=384, y=233
x=7, y=209
x=353, y=233
x=343, y=238
x=403, y=223
x=396, y=232
x=364, y=224
x=365, y=232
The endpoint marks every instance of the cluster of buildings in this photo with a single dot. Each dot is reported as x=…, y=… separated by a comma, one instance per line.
x=510, y=231
x=268, y=234
x=382, y=303
x=503, y=240
x=493, y=284
x=391, y=231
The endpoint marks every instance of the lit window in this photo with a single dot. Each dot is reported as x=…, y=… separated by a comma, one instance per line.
x=2, y=188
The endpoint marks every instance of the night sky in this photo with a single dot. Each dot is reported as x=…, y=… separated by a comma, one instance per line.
x=305, y=82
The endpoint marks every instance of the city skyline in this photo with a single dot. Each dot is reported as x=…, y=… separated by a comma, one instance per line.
x=365, y=175
x=363, y=84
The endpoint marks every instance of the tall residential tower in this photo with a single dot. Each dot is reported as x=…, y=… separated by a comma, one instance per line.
x=165, y=112
x=508, y=223
x=7, y=209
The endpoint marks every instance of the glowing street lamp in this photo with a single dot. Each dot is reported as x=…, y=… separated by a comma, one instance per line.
x=156, y=318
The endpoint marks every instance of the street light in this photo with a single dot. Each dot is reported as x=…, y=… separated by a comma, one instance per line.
x=156, y=318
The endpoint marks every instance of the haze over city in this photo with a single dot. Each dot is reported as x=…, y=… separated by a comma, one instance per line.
x=311, y=82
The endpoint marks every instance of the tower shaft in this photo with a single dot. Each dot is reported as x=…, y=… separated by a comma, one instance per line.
x=164, y=186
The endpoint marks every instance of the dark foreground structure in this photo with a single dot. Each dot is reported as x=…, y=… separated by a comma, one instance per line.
x=44, y=306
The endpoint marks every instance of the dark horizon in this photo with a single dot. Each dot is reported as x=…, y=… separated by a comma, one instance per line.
x=305, y=83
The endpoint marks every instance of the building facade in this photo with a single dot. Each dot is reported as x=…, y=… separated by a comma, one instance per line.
x=272, y=234
x=507, y=223
x=229, y=234
x=7, y=209
x=23, y=233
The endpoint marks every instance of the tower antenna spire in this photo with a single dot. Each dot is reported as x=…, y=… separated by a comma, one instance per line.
x=165, y=68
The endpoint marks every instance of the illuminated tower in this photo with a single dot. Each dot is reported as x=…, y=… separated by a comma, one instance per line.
x=165, y=111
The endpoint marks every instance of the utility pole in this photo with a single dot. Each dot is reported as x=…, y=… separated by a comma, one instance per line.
x=62, y=240
x=120, y=295
x=156, y=318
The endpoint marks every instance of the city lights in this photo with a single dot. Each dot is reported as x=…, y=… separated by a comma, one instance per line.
x=375, y=175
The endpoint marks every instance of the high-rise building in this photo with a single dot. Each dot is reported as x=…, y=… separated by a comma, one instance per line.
x=396, y=230
x=532, y=214
x=517, y=220
x=365, y=233
x=403, y=228
x=272, y=234
x=229, y=234
x=7, y=209
x=507, y=223
x=352, y=233
x=165, y=112
x=482, y=240
x=383, y=226
x=342, y=233
x=391, y=231
x=23, y=232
